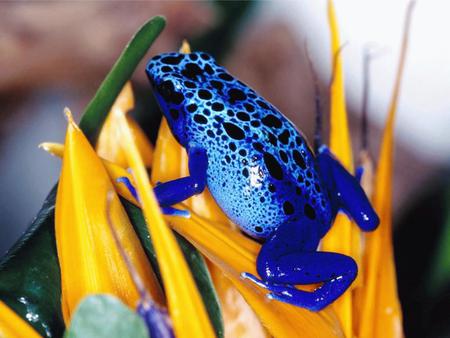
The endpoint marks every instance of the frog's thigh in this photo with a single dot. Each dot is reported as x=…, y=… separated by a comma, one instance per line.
x=176, y=191
x=281, y=265
x=346, y=191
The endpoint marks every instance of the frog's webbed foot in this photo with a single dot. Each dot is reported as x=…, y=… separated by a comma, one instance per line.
x=170, y=211
x=345, y=190
x=272, y=287
x=176, y=191
x=283, y=263
x=286, y=293
x=335, y=271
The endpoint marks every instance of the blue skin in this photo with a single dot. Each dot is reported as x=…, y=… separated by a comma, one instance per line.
x=263, y=175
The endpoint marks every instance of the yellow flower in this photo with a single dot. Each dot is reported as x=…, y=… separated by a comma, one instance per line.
x=370, y=308
x=231, y=251
x=12, y=326
x=344, y=236
x=171, y=162
x=114, y=171
x=88, y=262
x=381, y=314
x=184, y=303
x=107, y=144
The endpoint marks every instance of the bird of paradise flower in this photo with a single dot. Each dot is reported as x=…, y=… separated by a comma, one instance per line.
x=84, y=240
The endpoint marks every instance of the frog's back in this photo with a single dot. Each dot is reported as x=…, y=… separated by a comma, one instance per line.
x=260, y=169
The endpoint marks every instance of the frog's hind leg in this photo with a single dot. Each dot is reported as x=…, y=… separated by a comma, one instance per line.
x=289, y=258
x=345, y=190
x=176, y=191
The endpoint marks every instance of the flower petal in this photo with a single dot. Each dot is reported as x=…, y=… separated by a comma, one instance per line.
x=381, y=314
x=344, y=237
x=234, y=253
x=12, y=326
x=114, y=171
x=89, y=264
x=340, y=141
x=108, y=145
x=240, y=320
x=231, y=252
x=171, y=162
x=185, y=306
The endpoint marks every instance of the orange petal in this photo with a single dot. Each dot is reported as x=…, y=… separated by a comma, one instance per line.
x=185, y=305
x=88, y=261
x=344, y=237
x=381, y=311
x=234, y=253
x=340, y=142
x=239, y=319
x=185, y=47
x=114, y=171
x=108, y=145
x=171, y=162
x=12, y=326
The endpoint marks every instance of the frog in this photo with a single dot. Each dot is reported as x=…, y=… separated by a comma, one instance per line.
x=262, y=173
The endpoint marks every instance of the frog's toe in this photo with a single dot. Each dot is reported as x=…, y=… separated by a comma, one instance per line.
x=126, y=181
x=176, y=212
x=254, y=279
x=272, y=287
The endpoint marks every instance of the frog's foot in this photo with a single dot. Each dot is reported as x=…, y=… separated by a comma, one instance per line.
x=254, y=279
x=130, y=187
x=167, y=210
x=170, y=211
x=346, y=192
x=288, y=259
x=288, y=293
x=281, y=273
x=296, y=297
x=272, y=287
x=178, y=190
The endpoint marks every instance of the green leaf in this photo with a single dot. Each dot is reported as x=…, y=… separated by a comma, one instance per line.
x=97, y=110
x=29, y=273
x=194, y=259
x=30, y=276
x=105, y=316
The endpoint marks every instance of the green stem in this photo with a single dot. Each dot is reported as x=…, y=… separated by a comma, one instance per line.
x=97, y=110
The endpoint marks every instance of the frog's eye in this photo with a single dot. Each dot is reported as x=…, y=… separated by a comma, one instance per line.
x=167, y=90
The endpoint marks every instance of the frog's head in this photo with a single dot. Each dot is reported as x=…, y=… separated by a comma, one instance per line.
x=169, y=91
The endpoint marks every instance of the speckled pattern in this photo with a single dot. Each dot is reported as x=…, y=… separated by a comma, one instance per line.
x=260, y=169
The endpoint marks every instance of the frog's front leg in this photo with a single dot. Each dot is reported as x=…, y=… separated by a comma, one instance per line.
x=172, y=192
x=176, y=191
x=289, y=258
x=345, y=190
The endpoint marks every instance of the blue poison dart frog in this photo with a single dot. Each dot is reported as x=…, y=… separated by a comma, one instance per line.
x=262, y=173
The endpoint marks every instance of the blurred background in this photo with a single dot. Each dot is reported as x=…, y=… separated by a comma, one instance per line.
x=54, y=55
